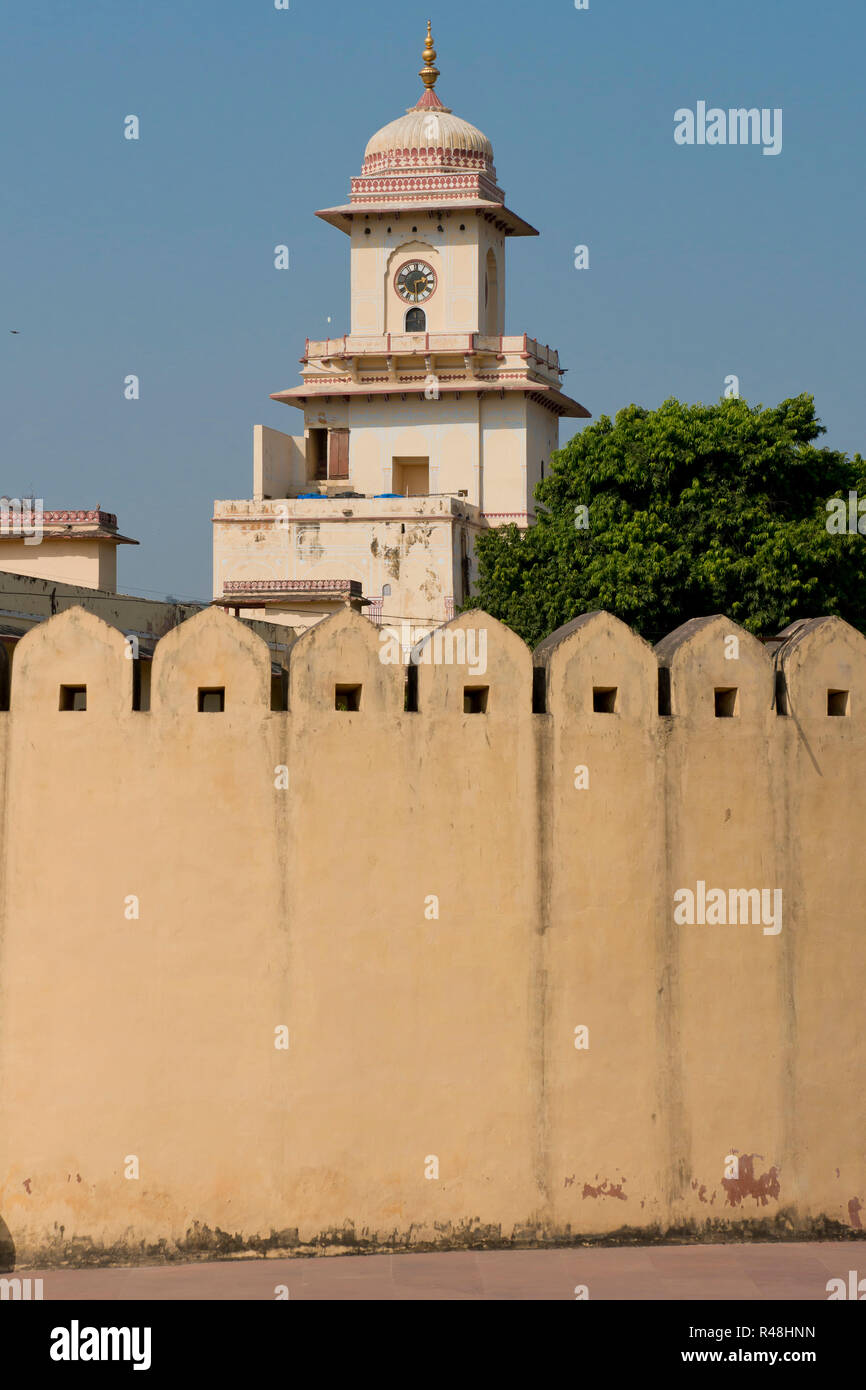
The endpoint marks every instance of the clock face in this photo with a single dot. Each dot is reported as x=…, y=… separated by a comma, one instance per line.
x=415, y=282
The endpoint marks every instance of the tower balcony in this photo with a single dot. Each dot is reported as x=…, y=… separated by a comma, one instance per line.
x=360, y=353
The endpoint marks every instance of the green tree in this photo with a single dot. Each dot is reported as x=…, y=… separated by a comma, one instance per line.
x=691, y=510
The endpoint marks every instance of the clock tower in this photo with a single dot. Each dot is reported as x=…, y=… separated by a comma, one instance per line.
x=426, y=419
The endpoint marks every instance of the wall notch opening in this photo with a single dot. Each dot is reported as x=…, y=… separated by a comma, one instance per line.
x=539, y=690
x=211, y=699
x=73, y=697
x=727, y=702
x=347, y=698
x=280, y=689
x=664, y=690
x=475, y=699
x=410, y=702
x=604, y=699
x=837, y=702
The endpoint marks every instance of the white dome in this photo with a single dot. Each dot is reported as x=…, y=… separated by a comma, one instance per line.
x=427, y=153
x=432, y=136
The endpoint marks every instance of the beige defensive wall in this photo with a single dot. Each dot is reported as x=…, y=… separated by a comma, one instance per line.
x=393, y=977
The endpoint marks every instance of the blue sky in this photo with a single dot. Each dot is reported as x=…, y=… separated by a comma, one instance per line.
x=155, y=257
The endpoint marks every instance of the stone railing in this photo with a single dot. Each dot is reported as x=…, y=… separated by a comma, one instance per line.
x=394, y=344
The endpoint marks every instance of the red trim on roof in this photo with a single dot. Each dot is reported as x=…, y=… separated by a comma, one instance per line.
x=430, y=102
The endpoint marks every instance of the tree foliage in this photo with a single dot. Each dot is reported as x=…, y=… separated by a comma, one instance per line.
x=692, y=510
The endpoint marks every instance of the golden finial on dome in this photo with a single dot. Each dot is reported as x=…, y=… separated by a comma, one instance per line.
x=429, y=73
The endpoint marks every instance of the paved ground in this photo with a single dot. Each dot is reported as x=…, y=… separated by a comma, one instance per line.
x=711, y=1272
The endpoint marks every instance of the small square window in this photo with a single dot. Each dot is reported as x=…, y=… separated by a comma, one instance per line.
x=604, y=699
x=73, y=697
x=837, y=702
x=727, y=702
x=347, y=698
x=475, y=699
x=212, y=700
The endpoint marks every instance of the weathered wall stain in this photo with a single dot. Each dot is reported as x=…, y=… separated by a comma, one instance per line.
x=201, y=1242
x=762, y=1188
x=308, y=541
x=605, y=1189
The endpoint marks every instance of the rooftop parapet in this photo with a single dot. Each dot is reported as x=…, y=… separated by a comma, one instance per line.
x=336, y=508
x=594, y=673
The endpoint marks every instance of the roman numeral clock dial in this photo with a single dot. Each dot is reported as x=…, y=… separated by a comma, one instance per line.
x=415, y=282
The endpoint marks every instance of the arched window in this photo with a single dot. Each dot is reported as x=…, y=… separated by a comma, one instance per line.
x=416, y=321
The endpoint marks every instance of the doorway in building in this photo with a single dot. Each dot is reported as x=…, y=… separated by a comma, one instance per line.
x=411, y=477
x=317, y=455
